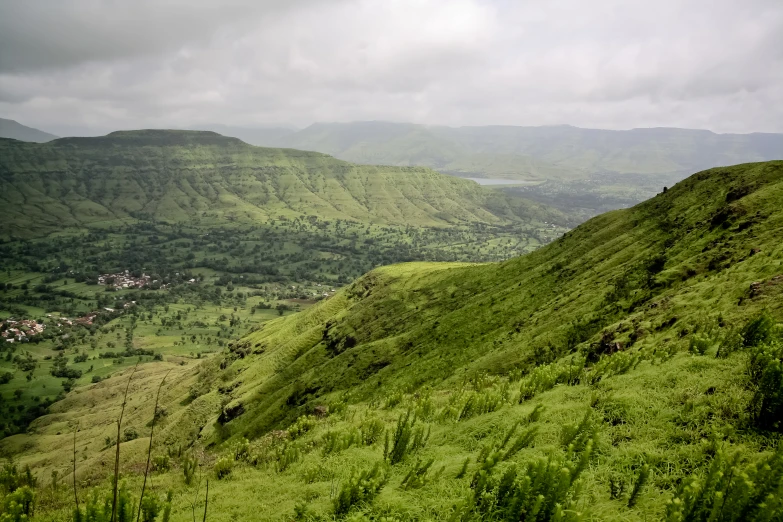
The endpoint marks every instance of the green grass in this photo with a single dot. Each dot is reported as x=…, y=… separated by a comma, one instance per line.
x=601, y=329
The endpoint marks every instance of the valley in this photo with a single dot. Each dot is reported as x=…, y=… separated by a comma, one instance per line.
x=615, y=373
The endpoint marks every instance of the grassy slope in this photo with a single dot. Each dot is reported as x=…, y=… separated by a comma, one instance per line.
x=205, y=178
x=557, y=152
x=433, y=328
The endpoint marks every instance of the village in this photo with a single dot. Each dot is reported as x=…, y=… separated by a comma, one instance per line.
x=125, y=280
x=20, y=330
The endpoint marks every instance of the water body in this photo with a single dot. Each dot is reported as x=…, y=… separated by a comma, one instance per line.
x=491, y=181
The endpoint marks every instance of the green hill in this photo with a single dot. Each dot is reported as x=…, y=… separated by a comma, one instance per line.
x=17, y=131
x=535, y=153
x=628, y=371
x=182, y=176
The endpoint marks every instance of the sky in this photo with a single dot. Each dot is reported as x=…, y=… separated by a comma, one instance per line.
x=85, y=67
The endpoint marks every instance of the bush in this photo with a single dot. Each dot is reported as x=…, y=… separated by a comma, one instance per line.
x=18, y=506
x=732, y=493
x=96, y=379
x=161, y=463
x=223, y=467
x=759, y=330
x=765, y=368
x=371, y=430
x=361, y=488
x=544, y=490
x=406, y=439
x=302, y=425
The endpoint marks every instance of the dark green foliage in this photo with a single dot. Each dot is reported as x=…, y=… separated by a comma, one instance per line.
x=757, y=331
x=765, y=368
x=732, y=492
x=361, y=488
x=638, y=485
x=464, y=469
x=406, y=439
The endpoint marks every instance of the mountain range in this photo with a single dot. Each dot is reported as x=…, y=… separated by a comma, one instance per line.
x=533, y=153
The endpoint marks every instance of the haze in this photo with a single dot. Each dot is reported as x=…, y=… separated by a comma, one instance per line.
x=90, y=66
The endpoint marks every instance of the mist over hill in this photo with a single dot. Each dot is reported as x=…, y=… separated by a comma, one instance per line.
x=16, y=131
x=558, y=152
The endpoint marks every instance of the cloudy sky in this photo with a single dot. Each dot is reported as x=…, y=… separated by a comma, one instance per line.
x=81, y=66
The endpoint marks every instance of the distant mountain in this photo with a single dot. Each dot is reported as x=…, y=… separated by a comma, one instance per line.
x=17, y=131
x=534, y=153
x=188, y=176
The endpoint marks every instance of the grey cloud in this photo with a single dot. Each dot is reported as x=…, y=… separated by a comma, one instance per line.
x=606, y=63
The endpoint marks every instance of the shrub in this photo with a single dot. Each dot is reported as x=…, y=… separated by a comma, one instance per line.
x=765, y=367
x=371, y=430
x=223, y=467
x=302, y=425
x=18, y=506
x=481, y=402
x=337, y=441
x=96, y=379
x=546, y=489
x=161, y=463
x=699, y=344
x=732, y=493
x=544, y=378
x=189, y=467
x=361, y=488
x=407, y=439
x=130, y=434
x=286, y=455
x=758, y=330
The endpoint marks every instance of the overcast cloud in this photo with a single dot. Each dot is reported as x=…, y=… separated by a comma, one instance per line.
x=69, y=65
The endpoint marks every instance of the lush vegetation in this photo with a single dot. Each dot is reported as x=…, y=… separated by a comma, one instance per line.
x=629, y=370
x=223, y=230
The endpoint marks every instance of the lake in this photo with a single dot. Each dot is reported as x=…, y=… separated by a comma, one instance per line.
x=491, y=181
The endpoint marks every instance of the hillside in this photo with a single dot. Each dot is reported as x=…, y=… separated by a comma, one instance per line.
x=630, y=370
x=206, y=178
x=535, y=153
x=16, y=131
